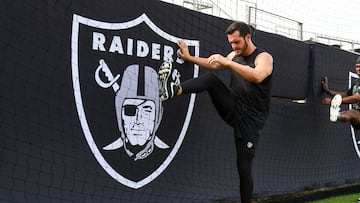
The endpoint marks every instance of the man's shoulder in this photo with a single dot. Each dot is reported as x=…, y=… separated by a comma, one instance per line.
x=261, y=51
x=265, y=55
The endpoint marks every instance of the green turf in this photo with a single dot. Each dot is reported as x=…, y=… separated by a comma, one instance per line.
x=350, y=198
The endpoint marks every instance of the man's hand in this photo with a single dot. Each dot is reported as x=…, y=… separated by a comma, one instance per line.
x=217, y=60
x=184, y=50
x=325, y=84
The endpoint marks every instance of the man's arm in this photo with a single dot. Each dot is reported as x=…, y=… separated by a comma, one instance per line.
x=201, y=61
x=325, y=86
x=353, y=99
x=263, y=67
x=263, y=63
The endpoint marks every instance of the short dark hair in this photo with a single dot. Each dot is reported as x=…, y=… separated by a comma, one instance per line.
x=242, y=27
x=357, y=60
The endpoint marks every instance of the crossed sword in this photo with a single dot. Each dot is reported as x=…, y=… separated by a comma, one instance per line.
x=112, y=82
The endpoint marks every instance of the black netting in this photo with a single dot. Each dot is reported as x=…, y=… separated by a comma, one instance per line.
x=55, y=120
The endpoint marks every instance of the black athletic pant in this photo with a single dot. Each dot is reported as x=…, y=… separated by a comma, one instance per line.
x=224, y=102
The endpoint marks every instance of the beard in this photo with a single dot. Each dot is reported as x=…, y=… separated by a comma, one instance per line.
x=241, y=51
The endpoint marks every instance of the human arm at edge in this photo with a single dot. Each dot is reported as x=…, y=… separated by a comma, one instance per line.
x=353, y=99
x=327, y=90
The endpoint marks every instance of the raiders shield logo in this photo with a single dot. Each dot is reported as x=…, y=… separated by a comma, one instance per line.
x=355, y=135
x=131, y=133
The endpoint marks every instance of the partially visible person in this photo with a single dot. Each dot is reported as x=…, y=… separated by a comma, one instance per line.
x=244, y=105
x=351, y=96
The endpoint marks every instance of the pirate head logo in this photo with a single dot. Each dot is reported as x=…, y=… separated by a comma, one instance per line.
x=131, y=133
x=355, y=135
x=138, y=114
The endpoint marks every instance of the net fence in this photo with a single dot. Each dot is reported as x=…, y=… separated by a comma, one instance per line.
x=321, y=21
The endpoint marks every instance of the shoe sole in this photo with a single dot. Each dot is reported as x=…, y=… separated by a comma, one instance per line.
x=335, y=107
x=164, y=74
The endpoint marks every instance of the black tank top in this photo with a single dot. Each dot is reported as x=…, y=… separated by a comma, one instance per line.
x=252, y=97
x=355, y=89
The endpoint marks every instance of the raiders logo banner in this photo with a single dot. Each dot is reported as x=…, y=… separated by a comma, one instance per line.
x=133, y=135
